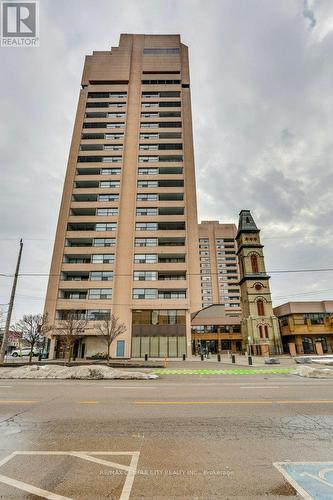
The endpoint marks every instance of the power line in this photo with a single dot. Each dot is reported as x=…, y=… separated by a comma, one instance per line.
x=295, y=294
x=280, y=271
x=26, y=239
x=303, y=293
x=161, y=302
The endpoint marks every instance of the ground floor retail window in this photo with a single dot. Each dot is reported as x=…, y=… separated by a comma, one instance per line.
x=158, y=347
x=323, y=342
x=211, y=346
x=307, y=345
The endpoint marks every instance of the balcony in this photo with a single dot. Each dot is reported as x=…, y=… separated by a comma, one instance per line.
x=102, y=136
x=100, y=159
x=97, y=171
x=160, y=226
x=101, y=147
x=163, y=183
x=156, y=211
x=103, y=125
x=171, y=258
x=105, y=104
x=90, y=184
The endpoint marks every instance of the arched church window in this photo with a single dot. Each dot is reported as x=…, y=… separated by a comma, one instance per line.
x=260, y=308
x=254, y=263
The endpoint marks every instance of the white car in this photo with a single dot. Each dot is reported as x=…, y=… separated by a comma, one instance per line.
x=25, y=351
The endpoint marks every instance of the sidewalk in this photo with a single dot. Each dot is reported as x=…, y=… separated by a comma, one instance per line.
x=286, y=361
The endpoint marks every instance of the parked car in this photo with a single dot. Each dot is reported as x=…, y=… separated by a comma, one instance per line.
x=25, y=351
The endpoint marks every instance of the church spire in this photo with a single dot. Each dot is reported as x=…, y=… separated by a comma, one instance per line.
x=246, y=223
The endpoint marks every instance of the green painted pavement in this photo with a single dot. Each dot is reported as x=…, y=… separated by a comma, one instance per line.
x=234, y=371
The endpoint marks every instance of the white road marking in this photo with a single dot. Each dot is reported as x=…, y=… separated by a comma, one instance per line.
x=321, y=487
x=304, y=494
x=260, y=387
x=127, y=488
x=31, y=489
x=128, y=387
x=100, y=461
x=85, y=455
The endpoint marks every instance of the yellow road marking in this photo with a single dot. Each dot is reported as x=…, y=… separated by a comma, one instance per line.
x=88, y=402
x=18, y=401
x=236, y=402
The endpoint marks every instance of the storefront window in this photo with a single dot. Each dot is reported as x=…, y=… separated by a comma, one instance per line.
x=316, y=318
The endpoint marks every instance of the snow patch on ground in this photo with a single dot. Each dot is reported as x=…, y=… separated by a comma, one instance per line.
x=90, y=372
x=311, y=372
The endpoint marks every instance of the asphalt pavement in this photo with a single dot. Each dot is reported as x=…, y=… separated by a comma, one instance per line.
x=181, y=436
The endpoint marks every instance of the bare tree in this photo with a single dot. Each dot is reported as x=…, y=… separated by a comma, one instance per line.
x=109, y=329
x=32, y=329
x=71, y=329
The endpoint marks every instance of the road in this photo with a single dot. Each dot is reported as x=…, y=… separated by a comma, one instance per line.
x=197, y=436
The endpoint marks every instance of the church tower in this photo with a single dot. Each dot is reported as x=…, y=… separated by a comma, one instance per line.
x=260, y=328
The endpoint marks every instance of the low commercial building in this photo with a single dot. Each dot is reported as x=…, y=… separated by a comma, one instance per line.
x=306, y=327
x=215, y=331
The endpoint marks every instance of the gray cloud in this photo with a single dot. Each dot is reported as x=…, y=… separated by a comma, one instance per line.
x=262, y=111
x=309, y=14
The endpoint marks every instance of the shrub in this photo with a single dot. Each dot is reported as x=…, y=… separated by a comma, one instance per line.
x=99, y=355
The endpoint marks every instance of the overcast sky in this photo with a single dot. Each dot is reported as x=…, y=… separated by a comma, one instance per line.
x=262, y=97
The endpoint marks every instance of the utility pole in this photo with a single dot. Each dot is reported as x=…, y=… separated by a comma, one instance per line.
x=10, y=307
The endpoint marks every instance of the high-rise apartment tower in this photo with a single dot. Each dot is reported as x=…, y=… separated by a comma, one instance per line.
x=219, y=271
x=127, y=235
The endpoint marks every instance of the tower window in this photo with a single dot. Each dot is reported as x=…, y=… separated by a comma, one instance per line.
x=260, y=308
x=254, y=263
x=263, y=331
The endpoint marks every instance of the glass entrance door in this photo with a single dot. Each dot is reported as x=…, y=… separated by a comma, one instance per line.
x=120, y=348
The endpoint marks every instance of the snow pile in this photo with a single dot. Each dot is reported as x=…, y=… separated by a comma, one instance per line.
x=327, y=361
x=309, y=371
x=90, y=372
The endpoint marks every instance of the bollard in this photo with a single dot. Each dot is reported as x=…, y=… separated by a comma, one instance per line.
x=249, y=360
x=202, y=357
x=219, y=357
x=146, y=357
x=233, y=358
x=184, y=357
x=165, y=362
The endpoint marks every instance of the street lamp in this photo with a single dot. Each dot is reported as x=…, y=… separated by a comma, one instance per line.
x=249, y=345
x=250, y=353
